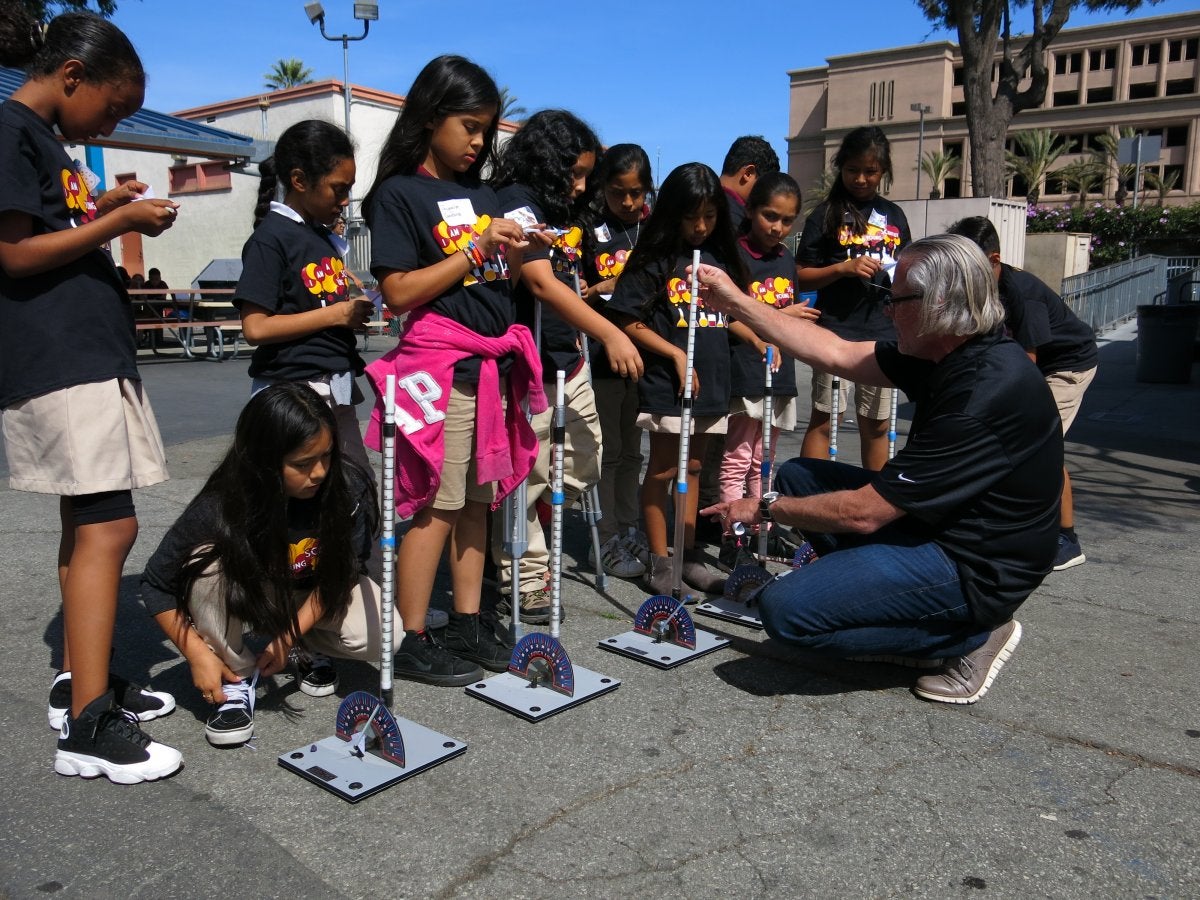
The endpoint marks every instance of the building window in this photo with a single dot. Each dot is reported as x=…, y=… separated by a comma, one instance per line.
x=882, y=101
x=1180, y=86
x=1177, y=171
x=1190, y=46
x=1174, y=50
x=1175, y=136
x=201, y=177
x=1145, y=91
x=958, y=108
x=1100, y=95
x=958, y=76
x=1066, y=98
x=1146, y=54
x=1102, y=59
x=1068, y=63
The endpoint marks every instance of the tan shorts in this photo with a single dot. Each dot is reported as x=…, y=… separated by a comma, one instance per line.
x=460, y=479
x=1068, y=389
x=872, y=402
x=84, y=439
x=656, y=424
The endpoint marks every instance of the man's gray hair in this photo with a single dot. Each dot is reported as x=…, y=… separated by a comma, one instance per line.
x=957, y=283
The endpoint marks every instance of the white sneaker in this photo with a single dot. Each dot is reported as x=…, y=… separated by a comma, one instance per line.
x=616, y=559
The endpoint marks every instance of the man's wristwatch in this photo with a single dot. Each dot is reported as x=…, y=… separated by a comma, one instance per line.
x=764, y=506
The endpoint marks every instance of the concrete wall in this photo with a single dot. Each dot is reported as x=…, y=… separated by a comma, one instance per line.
x=1053, y=257
x=935, y=216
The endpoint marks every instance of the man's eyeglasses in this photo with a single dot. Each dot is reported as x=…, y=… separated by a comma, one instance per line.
x=890, y=300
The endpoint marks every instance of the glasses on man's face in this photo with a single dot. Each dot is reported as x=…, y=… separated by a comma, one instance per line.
x=890, y=299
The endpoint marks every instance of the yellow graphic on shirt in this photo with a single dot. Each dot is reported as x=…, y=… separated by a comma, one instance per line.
x=455, y=238
x=303, y=557
x=610, y=265
x=565, y=251
x=776, y=291
x=679, y=295
x=326, y=279
x=880, y=242
x=78, y=198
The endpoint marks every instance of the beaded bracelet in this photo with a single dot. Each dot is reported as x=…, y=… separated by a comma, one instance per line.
x=474, y=255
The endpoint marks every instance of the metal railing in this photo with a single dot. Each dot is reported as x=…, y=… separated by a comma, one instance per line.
x=1177, y=265
x=1103, y=298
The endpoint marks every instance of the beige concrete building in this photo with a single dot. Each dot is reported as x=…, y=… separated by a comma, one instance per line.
x=1139, y=74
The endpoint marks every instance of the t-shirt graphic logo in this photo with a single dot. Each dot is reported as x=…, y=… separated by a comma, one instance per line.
x=564, y=252
x=775, y=291
x=680, y=296
x=610, y=265
x=454, y=239
x=303, y=556
x=882, y=242
x=325, y=279
x=78, y=198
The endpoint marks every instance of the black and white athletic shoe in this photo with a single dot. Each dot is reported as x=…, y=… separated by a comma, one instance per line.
x=233, y=722
x=142, y=703
x=105, y=740
x=318, y=677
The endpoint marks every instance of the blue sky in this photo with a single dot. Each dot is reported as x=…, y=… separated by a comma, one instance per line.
x=680, y=79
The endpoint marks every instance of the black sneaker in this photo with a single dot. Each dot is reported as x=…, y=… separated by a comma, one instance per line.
x=318, y=677
x=233, y=722
x=468, y=636
x=106, y=741
x=1070, y=554
x=142, y=703
x=421, y=658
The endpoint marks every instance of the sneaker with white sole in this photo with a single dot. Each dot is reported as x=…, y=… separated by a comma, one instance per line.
x=105, y=740
x=1070, y=554
x=967, y=678
x=318, y=677
x=233, y=721
x=638, y=546
x=142, y=703
x=617, y=559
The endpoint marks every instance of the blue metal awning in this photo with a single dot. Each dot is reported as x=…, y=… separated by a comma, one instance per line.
x=158, y=132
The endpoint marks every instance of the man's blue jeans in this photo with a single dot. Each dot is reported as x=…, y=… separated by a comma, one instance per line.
x=891, y=592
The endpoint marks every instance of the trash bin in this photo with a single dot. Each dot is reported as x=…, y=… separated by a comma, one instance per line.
x=1166, y=335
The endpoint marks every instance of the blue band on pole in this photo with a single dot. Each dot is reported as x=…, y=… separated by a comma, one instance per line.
x=387, y=542
x=557, y=498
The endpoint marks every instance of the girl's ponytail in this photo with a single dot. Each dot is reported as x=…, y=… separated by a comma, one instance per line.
x=268, y=183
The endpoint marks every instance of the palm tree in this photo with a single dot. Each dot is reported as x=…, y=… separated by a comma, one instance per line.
x=1080, y=177
x=939, y=166
x=510, y=107
x=1163, y=184
x=1106, y=156
x=1037, y=151
x=287, y=73
x=818, y=191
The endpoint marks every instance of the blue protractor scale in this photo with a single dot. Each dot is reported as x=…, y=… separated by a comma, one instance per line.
x=541, y=660
x=663, y=635
x=361, y=713
x=370, y=751
x=664, y=619
x=738, y=604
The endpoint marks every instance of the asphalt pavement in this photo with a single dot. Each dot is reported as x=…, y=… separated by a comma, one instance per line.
x=756, y=771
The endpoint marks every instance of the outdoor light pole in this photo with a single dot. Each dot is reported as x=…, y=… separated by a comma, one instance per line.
x=921, y=108
x=365, y=13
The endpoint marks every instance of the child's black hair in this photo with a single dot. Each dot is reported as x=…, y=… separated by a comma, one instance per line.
x=685, y=190
x=107, y=55
x=980, y=230
x=541, y=156
x=246, y=491
x=767, y=187
x=312, y=146
x=619, y=159
x=865, y=141
x=750, y=150
x=447, y=85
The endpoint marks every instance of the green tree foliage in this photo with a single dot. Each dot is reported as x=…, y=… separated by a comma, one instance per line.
x=1037, y=151
x=287, y=73
x=510, y=107
x=1106, y=156
x=986, y=36
x=939, y=166
x=1081, y=177
x=1118, y=232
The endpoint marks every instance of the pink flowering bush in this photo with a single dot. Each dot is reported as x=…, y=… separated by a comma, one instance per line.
x=1118, y=231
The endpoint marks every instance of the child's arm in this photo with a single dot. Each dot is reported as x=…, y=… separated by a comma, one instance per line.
x=209, y=671
x=406, y=291
x=742, y=332
x=262, y=326
x=275, y=657
x=653, y=342
x=24, y=254
x=623, y=356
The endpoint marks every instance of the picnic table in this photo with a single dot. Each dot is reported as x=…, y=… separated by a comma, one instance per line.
x=188, y=315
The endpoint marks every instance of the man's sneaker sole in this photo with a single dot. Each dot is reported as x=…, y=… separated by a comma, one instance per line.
x=1070, y=563
x=55, y=714
x=163, y=761
x=317, y=690
x=1005, y=653
x=229, y=738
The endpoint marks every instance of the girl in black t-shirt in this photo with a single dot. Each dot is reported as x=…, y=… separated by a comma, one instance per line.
x=771, y=209
x=651, y=304
x=76, y=420
x=849, y=246
x=277, y=543
x=438, y=246
x=294, y=293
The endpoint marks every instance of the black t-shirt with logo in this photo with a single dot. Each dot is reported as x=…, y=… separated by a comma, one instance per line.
x=410, y=230
x=981, y=472
x=658, y=295
x=71, y=325
x=291, y=267
x=606, y=252
x=1038, y=319
x=851, y=308
x=772, y=282
x=559, y=340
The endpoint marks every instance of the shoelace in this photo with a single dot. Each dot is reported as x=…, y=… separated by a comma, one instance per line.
x=240, y=695
x=124, y=724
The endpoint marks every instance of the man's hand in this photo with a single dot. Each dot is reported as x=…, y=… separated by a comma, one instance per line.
x=729, y=512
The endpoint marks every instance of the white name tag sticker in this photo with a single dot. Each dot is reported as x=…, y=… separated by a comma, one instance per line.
x=877, y=219
x=457, y=212
x=603, y=235
x=524, y=217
